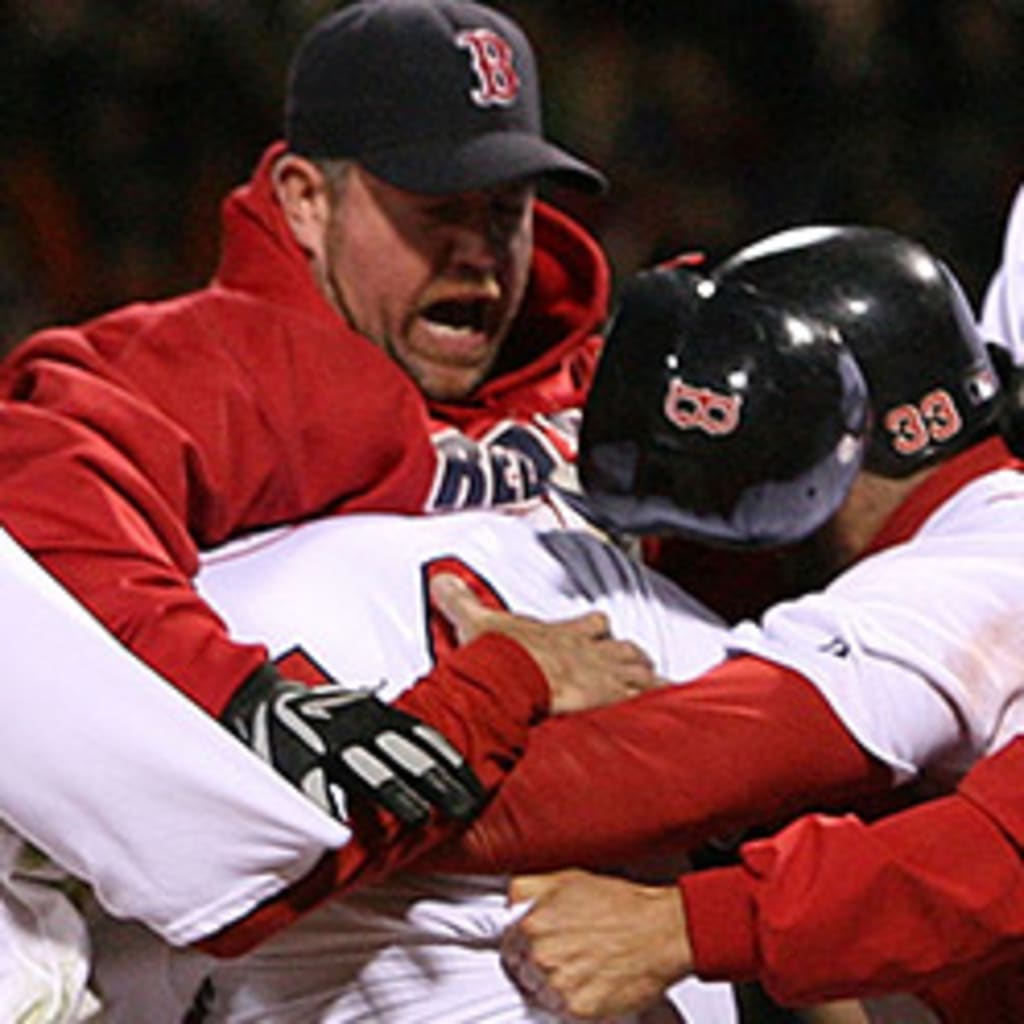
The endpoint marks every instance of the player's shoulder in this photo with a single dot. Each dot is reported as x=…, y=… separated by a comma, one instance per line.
x=989, y=505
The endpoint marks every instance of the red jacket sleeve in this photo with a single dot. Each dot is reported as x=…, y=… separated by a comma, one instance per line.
x=750, y=743
x=130, y=444
x=487, y=722
x=834, y=907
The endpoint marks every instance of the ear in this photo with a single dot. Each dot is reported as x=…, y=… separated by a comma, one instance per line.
x=301, y=189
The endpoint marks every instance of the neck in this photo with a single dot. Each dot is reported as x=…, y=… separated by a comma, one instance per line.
x=843, y=539
x=871, y=501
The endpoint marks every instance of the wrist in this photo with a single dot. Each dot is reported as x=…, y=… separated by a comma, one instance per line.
x=484, y=697
x=257, y=690
x=721, y=923
x=492, y=673
x=673, y=953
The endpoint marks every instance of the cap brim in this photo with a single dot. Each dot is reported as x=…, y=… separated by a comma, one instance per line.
x=484, y=161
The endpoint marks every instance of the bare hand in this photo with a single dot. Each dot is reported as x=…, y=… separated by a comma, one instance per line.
x=594, y=946
x=585, y=667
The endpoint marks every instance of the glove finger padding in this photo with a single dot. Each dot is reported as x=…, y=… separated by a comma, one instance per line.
x=391, y=757
x=334, y=743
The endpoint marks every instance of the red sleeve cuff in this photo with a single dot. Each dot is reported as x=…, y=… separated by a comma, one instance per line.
x=483, y=698
x=499, y=672
x=721, y=920
x=503, y=667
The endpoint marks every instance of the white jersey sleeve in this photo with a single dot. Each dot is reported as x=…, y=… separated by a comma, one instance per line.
x=1002, y=311
x=126, y=784
x=920, y=648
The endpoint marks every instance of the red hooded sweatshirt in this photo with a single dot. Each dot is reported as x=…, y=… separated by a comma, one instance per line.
x=137, y=439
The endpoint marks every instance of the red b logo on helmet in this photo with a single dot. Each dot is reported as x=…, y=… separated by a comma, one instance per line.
x=694, y=408
x=491, y=56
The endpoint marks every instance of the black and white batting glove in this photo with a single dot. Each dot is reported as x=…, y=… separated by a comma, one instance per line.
x=333, y=743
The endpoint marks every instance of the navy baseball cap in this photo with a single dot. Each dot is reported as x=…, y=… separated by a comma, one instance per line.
x=432, y=96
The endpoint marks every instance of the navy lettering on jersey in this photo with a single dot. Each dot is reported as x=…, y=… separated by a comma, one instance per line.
x=508, y=466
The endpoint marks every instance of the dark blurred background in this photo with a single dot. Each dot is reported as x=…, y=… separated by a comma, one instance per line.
x=124, y=124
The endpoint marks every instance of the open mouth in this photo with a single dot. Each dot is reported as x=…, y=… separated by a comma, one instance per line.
x=458, y=314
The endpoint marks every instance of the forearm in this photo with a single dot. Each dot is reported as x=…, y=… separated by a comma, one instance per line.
x=812, y=913
x=749, y=744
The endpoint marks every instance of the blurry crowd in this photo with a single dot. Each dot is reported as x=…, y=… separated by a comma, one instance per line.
x=126, y=121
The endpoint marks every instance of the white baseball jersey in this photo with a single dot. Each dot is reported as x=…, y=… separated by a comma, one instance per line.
x=351, y=593
x=1002, y=313
x=919, y=648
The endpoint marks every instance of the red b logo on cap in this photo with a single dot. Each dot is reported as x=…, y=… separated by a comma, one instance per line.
x=497, y=81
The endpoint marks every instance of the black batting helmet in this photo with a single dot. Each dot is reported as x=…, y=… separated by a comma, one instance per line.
x=903, y=314
x=719, y=415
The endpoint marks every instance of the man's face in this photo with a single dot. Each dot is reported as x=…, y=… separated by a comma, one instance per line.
x=435, y=281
